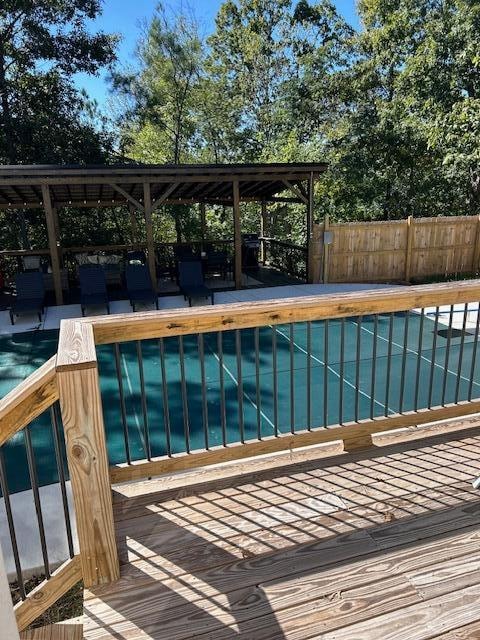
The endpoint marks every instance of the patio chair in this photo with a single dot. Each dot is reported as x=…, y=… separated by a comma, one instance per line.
x=139, y=285
x=191, y=283
x=93, y=287
x=30, y=295
x=218, y=262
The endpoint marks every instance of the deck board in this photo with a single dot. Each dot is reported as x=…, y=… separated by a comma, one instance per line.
x=340, y=548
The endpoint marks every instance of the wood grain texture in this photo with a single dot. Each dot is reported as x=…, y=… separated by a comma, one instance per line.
x=61, y=631
x=28, y=400
x=48, y=592
x=251, y=558
x=76, y=347
x=355, y=434
x=84, y=429
x=222, y=317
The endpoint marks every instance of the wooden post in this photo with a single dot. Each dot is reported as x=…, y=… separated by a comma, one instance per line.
x=82, y=416
x=408, y=255
x=203, y=221
x=476, y=249
x=309, y=223
x=237, y=235
x=326, y=226
x=53, y=244
x=7, y=617
x=147, y=203
x=263, y=230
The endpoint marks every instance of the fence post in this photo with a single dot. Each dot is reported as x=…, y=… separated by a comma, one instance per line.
x=326, y=226
x=476, y=248
x=82, y=415
x=408, y=256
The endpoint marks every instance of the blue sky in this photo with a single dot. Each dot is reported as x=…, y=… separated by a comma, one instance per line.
x=125, y=18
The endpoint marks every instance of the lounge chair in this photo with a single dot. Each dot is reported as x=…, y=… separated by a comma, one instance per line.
x=30, y=295
x=93, y=287
x=139, y=285
x=191, y=283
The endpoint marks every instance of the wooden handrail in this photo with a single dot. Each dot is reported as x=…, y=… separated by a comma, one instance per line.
x=28, y=400
x=223, y=317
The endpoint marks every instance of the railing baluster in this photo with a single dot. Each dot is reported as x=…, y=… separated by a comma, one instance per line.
x=143, y=395
x=389, y=363
x=32, y=470
x=11, y=525
x=460, y=355
x=374, y=365
x=341, y=371
x=419, y=360
x=257, y=382
x=474, y=355
x=447, y=356
x=123, y=410
x=309, y=376
x=223, y=411
x=201, y=355
x=238, y=354
x=165, y=404
x=325, y=380
x=54, y=417
x=183, y=385
x=357, y=368
x=275, y=380
x=404, y=362
x=292, y=378
x=432, y=364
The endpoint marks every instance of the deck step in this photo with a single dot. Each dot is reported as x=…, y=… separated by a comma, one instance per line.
x=68, y=630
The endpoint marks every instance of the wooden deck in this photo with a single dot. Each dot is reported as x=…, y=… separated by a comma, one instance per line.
x=378, y=545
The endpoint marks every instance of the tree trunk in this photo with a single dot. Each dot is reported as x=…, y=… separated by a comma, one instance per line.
x=6, y=114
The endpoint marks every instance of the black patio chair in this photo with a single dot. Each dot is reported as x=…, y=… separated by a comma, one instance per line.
x=139, y=285
x=30, y=295
x=191, y=282
x=93, y=287
x=218, y=262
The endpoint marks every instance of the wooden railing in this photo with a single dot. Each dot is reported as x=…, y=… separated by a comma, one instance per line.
x=73, y=378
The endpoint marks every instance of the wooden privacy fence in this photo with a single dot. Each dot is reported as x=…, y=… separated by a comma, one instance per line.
x=395, y=251
x=72, y=378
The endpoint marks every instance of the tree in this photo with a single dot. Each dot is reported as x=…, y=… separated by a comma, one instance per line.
x=43, y=118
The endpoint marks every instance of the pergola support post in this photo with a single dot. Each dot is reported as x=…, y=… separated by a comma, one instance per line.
x=237, y=235
x=263, y=229
x=309, y=225
x=203, y=221
x=147, y=203
x=50, y=215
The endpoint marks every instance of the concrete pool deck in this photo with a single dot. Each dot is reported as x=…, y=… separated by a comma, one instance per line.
x=22, y=502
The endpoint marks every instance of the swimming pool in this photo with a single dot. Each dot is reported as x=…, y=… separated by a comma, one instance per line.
x=320, y=373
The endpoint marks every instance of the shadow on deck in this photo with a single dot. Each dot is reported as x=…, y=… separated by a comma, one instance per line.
x=379, y=544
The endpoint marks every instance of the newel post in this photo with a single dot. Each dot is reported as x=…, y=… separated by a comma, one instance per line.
x=82, y=416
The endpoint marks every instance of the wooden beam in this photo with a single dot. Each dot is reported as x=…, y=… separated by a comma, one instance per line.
x=82, y=417
x=126, y=195
x=163, y=198
x=147, y=199
x=7, y=617
x=237, y=235
x=354, y=435
x=295, y=190
x=220, y=317
x=28, y=400
x=48, y=592
x=53, y=244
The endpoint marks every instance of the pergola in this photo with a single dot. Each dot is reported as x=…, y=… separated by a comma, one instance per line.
x=148, y=187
